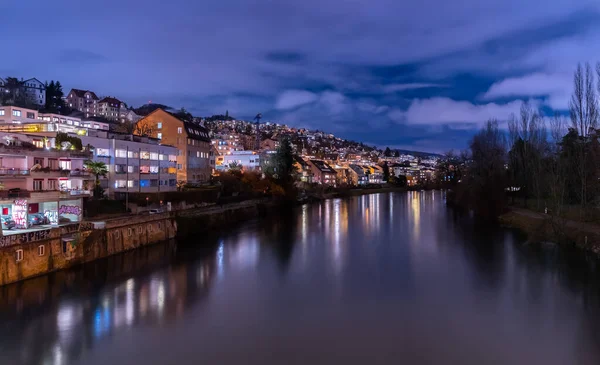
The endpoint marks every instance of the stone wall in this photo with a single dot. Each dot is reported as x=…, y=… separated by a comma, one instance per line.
x=64, y=248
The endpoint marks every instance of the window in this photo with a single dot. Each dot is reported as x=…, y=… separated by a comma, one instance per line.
x=64, y=164
x=130, y=183
x=38, y=184
x=41, y=250
x=144, y=183
x=153, y=156
x=121, y=153
x=30, y=115
x=144, y=169
x=102, y=152
x=120, y=183
x=159, y=126
x=130, y=169
x=145, y=155
x=179, y=130
x=52, y=184
x=162, y=157
x=16, y=113
x=197, y=153
x=159, y=135
x=1, y=111
x=172, y=158
x=154, y=169
x=19, y=255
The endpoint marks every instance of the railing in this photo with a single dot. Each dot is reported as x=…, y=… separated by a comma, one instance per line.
x=75, y=192
x=8, y=194
x=13, y=172
x=79, y=173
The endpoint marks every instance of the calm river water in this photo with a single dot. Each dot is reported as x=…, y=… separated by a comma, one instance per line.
x=380, y=279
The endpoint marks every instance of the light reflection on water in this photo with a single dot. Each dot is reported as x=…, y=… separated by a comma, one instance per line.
x=392, y=274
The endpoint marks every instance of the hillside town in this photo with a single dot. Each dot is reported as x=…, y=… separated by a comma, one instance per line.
x=57, y=149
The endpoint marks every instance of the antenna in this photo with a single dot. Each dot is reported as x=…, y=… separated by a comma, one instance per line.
x=257, y=123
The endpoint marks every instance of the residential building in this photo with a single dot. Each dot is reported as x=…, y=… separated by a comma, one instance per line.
x=357, y=176
x=130, y=116
x=303, y=169
x=191, y=140
x=35, y=90
x=249, y=160
x=322, y=172
x=375, y=174
x=212, y=156
x=40, y=180
x=228, y=143
x=112, y=109
x=21, y=120
x=135, y=163
x=85, y=101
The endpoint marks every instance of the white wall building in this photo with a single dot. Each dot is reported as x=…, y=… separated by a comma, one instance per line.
x=35, y=91
x=249, y=160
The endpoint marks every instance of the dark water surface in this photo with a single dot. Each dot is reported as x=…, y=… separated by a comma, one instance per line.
x=380, y=279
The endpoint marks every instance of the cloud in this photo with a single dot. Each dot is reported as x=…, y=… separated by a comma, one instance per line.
x=80, y=57
x=391, y=88
x=556, y=87
x=291, y=99
x=455, y=114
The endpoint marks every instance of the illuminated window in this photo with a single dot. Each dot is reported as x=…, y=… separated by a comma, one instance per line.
x=159, y=135
x=179, y=130
x=16, y=113
x=121, y=153
x=159, y=125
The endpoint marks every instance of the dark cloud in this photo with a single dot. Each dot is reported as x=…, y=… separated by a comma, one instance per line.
x=386, y=71
x=80, y=57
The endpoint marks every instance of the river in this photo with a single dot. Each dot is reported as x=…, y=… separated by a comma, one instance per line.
x=393, y=278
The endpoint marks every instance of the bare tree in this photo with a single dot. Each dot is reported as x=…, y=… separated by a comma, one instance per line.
x=583, y=109
x=528, y=143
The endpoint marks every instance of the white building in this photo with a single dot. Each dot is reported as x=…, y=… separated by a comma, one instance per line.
x=35, y=91
x=249, y=160
x=135, y=164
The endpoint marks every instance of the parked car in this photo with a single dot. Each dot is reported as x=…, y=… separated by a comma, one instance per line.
x=37, y=219
x=8, y=223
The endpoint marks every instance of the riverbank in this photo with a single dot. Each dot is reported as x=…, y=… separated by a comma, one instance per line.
x=312, y=197
x=544, y=227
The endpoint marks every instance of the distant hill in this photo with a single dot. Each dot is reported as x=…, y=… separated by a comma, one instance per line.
x=149, y=108
x=418, y=153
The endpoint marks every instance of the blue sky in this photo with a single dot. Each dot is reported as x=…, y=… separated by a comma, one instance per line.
x=419, y=75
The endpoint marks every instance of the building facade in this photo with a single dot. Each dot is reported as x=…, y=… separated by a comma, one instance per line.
x=248, y=160
x=191, y=141
x=112, y=109
x=85, y=101
x=322, y=172
x=35, y=90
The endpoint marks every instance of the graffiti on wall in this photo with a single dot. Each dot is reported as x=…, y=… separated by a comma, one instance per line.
x=19, y=213
x=15, y=239
x=52, y=216
x=69, y=209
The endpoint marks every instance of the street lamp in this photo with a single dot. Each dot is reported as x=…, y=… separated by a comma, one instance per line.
x=147, y=201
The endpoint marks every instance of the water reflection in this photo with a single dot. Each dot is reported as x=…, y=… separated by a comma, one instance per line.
x=366, y=273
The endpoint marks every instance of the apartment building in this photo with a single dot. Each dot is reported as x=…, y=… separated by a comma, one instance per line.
x=20, y=120
x=191, y=140
x=85, y=101
x=35, y=91
x=322, y=172
x=248, y=160
x=112, y=109
x=40, y=180
x=135, y=163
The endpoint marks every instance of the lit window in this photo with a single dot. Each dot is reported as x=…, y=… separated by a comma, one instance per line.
x=159, y=135
x=159, y=125
x=1, y=111
x=197, y=154
x=121, y=153
x=179, y=130
x=16, y=113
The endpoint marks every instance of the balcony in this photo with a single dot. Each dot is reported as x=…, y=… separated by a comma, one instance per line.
x=79, y=173
x=13, y=172
x=74, y=192
x=14, y=193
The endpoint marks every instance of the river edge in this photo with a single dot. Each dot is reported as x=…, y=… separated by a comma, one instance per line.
x=546, y=228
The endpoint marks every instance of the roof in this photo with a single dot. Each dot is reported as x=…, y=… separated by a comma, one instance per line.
x=357, y=169
x=197, y=132
x=33, y=79
x=81, y=93
x=299, y=160
x=110, y=100
x=322, y=166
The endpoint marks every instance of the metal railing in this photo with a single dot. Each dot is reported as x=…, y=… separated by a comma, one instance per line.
x=13, y=172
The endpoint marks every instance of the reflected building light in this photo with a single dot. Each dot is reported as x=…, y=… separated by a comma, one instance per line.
x=58, y=355
x=220, y=254
x=304, y=218
x=144, y=301
x=160, y=298
x=245, y=254
x=130, y=302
